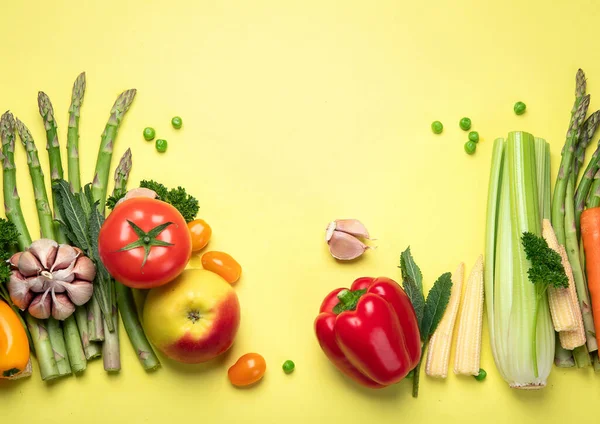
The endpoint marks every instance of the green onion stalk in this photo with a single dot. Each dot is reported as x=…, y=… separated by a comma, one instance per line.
x=99, y=190
x=125, y=300
x=55, y=331
x=521, y=332
x=12, y=204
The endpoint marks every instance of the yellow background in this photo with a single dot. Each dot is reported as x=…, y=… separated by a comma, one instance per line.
x=296, y=113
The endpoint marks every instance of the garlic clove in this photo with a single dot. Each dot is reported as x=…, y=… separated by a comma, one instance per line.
x=329, y=231
x=14, y=260
x=65, y=275
x=37, y=284
x=140, y=192
x=29, y=264
x=346, y=247
x=18, y=290
x=352, y=226
x=65, y=256
x=80, y=292
x=84, y=269
x=62, y=307
x=40, y=306
x=45, y=250
x=56, y=285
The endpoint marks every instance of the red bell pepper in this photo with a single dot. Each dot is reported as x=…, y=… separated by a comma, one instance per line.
x=370, y=332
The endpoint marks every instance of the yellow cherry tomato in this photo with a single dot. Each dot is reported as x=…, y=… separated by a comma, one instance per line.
x=222, y=264
x=200, y=232
x=249, y=369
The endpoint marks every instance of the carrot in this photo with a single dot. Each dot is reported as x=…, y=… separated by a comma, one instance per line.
x=590, y=234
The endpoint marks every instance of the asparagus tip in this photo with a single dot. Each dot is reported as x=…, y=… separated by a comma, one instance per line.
x=78, y=90
x=580, y=83
x=23, y=131
x=45, y=106
x=7, y=124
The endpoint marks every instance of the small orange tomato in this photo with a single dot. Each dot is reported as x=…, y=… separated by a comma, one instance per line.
x=247, y=370
x=222, y=264
x=200, y=232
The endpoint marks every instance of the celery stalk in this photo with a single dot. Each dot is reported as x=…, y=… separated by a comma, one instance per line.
x=521, y=332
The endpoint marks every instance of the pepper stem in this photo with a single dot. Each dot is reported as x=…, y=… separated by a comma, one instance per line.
x=348, y=300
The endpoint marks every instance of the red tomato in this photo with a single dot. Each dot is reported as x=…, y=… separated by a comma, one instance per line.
x=144, y=243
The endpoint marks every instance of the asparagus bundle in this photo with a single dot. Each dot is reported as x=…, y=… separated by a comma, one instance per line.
x=12, y=205
x=569, y=203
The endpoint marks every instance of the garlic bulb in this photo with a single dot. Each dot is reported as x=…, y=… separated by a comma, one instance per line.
x=51, y=279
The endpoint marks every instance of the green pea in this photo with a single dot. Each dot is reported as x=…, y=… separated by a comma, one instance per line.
x=474, y=136
x=470, y=147
x=465, y=124
x=161, y=145
x=437, y=127
x=481, y=376
x=288, y=366
x=519, y=108
x=149, y=133
x=176, y=122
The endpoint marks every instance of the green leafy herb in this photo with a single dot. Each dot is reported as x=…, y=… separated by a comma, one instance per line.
x=428, y=312
x=410, y=269
x=8, y=238
x=186, y=204
x=81, y=222
x=435, y=306
x=75, y=222
x=546, y=264
x=113, y=199
x=412, y=281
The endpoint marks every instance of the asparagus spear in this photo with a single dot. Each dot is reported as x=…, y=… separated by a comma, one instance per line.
x=57, y=340
x=593, y=200
x=125, y=299
x=564, y=171
x=37, y=178
x=43, y=348
x=53, y=147
x=589, y=129
x=73, y=133
x=99, y=185
x=94, y=317
x=12, y=202
x=111, y=351
x=92, y=350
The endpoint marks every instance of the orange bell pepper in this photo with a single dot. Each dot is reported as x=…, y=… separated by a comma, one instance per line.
x=14, y=346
